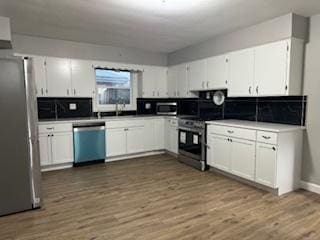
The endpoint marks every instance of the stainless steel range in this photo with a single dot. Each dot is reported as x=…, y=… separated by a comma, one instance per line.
x=192, y=142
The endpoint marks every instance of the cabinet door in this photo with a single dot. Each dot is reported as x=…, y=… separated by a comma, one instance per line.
x=62, y=148
x=266, y=162
x=149, y=135
x=135, y=143
x=271, y=62
x=40, y=76
x=83, y=78
x=172, y=81
x=174, y=139
x=116, y=141
x=217, y=72
x=241, y=73
x=167, y=134
x=182, y=83
x=148, y=82
x=45, y=149
x=197, y=75
x=161, y=82
x=159, y=134
x=58, y=72
x=219, y=152
x=243, y=158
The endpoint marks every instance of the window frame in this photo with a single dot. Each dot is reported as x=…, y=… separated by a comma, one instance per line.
x=112, y=107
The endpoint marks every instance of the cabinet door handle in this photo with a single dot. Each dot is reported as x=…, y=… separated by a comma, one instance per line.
x=178, y=93
x=229, y=131
x=41, y=91
x=266, y=137
x=273, y=148
x=67, y=91
x=207, y=84
x=202, y=84
x=46, y=91
x=50, y=128
x=257, y=89
x=153, y=93
x=74, y=92
x=158, y=94
x=250, y=90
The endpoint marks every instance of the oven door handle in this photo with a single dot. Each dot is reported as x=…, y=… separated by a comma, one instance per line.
x=200, y=132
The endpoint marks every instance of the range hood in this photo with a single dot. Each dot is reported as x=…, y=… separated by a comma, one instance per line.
x=5, y=33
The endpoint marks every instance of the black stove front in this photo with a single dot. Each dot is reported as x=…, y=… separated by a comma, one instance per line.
x=192, y=146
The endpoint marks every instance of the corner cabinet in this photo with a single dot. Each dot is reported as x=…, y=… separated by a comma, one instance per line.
x=270, y=158
x=273, y=69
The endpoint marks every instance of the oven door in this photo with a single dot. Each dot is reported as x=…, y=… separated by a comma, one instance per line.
x=191, y=143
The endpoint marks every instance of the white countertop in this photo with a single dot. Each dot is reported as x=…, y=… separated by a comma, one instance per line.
x=103, y=119
x=270, y=127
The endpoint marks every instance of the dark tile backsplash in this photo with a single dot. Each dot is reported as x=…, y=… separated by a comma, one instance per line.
x=240, y=108
x=54, y=108
x=286, y=110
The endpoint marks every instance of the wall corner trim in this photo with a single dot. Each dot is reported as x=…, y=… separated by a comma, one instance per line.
x=312, y=187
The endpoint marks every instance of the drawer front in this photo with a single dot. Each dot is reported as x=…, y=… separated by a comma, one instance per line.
x=59, y=127
x=267, y=137
x=232, y=132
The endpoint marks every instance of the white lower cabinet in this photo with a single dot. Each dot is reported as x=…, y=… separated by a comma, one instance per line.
x=242, y=158
x=171, y=138
x=269, y=158
x=135, y=143
x=218, y=154
x=56, y=147
x=266, y=162
x=159, y=134
x=116, y=141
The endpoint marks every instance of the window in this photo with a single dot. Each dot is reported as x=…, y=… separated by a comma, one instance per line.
x=113, y=86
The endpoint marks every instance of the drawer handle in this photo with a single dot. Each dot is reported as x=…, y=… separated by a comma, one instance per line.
x=266, y=137
x=51, y=128
x=273, y=148
x=229, y=131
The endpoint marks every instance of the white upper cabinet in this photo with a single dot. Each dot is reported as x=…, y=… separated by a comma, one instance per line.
x=58, y=74
x=154, y=82
x=217, y=72
x=83, y=78
x=273, y=69
x=241, y=73
x=197, y=75
x=178, y=86
x=172, y=81
x=278, y=68
x=39, y=70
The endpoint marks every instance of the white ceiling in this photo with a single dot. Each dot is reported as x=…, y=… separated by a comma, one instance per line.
x=154, y=25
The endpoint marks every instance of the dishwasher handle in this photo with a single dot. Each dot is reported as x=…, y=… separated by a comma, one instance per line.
x=85, y=129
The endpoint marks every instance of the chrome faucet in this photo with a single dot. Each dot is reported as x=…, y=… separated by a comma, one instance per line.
x=120, y=101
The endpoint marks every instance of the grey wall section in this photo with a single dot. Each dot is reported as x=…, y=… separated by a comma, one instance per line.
x=311, y=159
x=68, y=49
x=283, y=27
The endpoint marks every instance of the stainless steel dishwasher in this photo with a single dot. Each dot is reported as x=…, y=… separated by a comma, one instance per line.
x=89, y=143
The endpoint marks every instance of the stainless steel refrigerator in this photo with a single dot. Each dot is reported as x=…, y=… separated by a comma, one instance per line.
x=20, y=177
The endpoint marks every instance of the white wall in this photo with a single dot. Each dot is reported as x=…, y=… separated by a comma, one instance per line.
x=311, y=159
x=68, y=49
x=287, y=26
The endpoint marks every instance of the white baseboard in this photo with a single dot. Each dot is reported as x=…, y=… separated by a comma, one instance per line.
x=124, y=157
x=312, y=187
